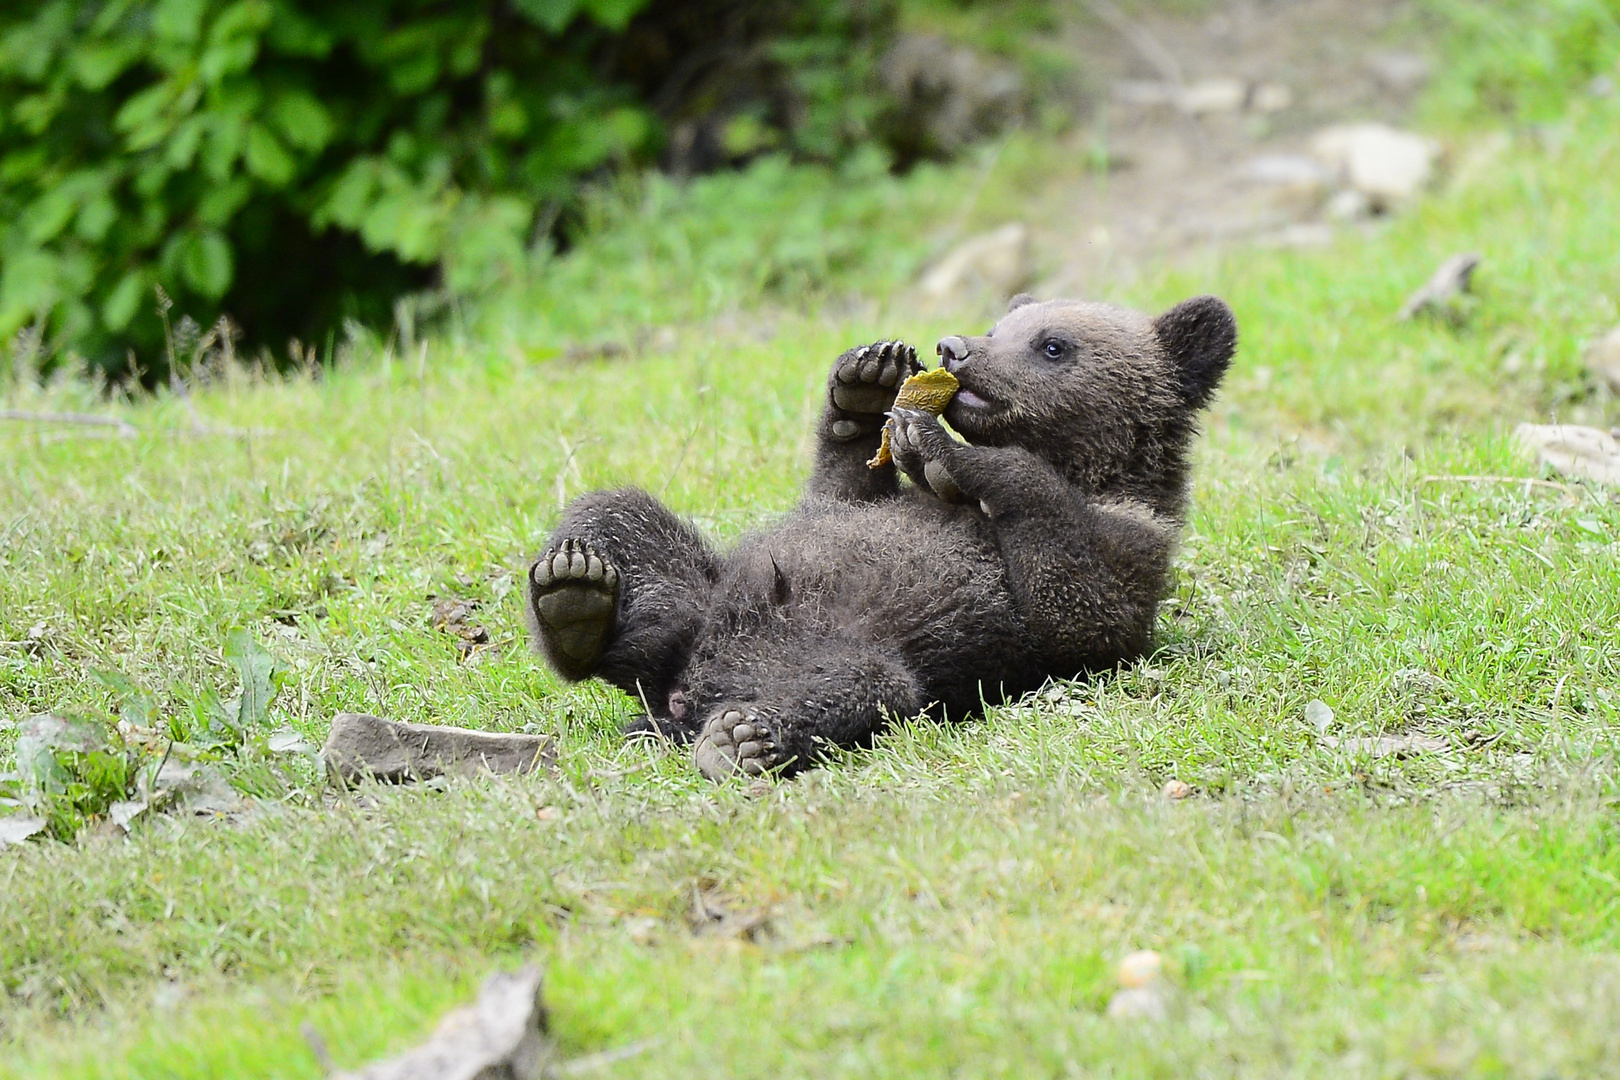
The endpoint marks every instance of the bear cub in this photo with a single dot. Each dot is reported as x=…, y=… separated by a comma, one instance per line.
x=1035, y=549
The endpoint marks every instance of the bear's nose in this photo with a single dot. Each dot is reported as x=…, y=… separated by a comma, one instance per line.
x=952, y=351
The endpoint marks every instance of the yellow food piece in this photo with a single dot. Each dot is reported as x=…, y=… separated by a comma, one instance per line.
x=929, y=391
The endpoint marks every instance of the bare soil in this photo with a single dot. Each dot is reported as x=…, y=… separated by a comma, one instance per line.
x=1183, y=182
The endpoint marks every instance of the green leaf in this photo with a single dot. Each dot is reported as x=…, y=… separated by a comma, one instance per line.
x=179, y=20
x=220, y=203
x=141, y=118
x=302, y=120
x=124, y=302
x=267, y=159
x=206, y=263
x=95, y=218
x=257, y=670
x=614, y=14
x=97, y=63
x=553, y=15
x=50, y=214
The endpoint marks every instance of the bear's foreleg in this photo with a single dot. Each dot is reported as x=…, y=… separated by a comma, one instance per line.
x=840, y=697
x=860, y=389
x=619, y=593
x=1086, y=573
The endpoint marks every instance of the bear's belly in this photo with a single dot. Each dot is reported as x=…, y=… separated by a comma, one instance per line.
x=911, y=574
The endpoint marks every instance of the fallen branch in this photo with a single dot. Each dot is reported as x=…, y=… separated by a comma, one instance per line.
x=125, y=428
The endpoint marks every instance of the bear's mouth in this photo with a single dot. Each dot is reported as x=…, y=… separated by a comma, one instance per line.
x=968, y=398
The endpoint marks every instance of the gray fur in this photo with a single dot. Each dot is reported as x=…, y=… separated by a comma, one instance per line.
x=1038, y=549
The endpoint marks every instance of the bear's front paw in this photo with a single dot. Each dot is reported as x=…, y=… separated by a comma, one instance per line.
x=922, y=449
x=865, y=380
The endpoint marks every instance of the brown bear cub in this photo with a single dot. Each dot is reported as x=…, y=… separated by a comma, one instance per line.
x=1037, y=549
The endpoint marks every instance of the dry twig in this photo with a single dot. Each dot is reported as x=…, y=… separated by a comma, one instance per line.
x=1527, y=481
x=124, y=428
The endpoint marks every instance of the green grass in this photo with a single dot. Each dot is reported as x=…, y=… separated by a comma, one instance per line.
x=952, y=901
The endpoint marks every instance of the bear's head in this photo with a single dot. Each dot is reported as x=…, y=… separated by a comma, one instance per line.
x=1107, y=395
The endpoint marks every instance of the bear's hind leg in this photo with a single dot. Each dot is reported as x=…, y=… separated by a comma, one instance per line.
x=619, y=593
x=837, y=699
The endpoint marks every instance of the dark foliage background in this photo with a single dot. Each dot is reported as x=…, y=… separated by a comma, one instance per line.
x=297, y=162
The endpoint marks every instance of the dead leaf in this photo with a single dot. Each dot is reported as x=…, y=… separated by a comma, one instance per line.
x=125, y=811
x=711, y=916
x=1449, y=282
x=453, y=615
x=17, y=828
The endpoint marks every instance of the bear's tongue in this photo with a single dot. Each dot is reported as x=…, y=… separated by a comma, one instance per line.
x=967, y=397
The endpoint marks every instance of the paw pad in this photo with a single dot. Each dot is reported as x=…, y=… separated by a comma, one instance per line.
x=574, y=592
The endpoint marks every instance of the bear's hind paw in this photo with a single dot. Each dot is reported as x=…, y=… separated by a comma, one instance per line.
x=735, y=741
x=573, y=592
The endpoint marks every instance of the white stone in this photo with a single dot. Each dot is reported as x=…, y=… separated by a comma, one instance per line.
x=1287, y=169
x=1212, y=96
x=997, y=262
x=1270, y=98
x=1603, y=359
x=1387, y=165
x=1348, y=205
x=1144, y=92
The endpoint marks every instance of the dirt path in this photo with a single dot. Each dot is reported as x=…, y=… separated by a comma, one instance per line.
x=1208, y=119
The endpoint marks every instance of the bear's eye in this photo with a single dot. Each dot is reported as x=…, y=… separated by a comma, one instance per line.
x=1052, y=350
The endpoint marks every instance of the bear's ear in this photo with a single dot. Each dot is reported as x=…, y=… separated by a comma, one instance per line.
x=1199, y=337
x=1020, y=300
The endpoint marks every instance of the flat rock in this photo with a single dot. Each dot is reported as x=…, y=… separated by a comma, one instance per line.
x=1398, y=746
x=1584, y=452
x=1603, y=360
x=1385, y=164
x=362, y=746
x=501, y=1036
x=998, y=262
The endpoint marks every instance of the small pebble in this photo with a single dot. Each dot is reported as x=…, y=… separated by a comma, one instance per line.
x=1177, y=789
x=1140, y=969
x=1318, y=714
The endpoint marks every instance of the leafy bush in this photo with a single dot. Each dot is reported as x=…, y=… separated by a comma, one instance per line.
x=296, y=163
x=1523, y=58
